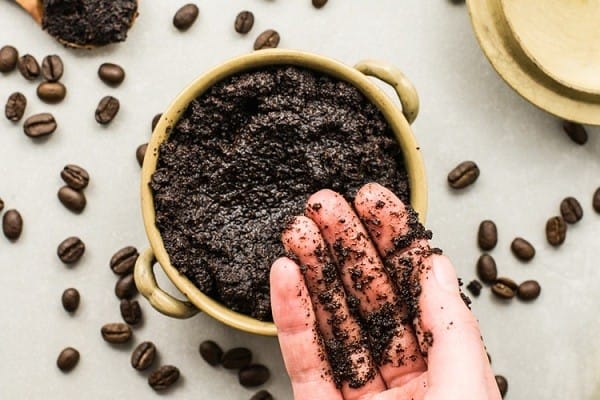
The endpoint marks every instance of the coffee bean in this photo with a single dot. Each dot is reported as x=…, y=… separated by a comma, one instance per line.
x=502, y=384
x=1, y=204
x=8, y=59
x=52, y=68
x=70, y=250
x=529, y=290
x=267, y=40
x=39, y=125
x=244, y=22
x=75, y=176
x=123, y=261
x=67, y=359
x=319, y=3
x=116, y=332
x=131, y=311
x=143, y=356
x=73, y=199
x=185, y=17
x=262, y=395
x=107, y=110
x=576, y=132
x=12, y=224
x=29, y=67
x=70, y=299
x=487, y=236
x=253, y=375
x=140, y=153
x=571, y=210
x=556, y=231
x=51, y=92
x=125, y=287
x=596, y=200
x=15, y=106
x=522, y=249
x=211, y=352
x=155, y=121
x=474, y=287
x=486, y=269
x=111, y=74
x=463, y=175
x=237, y=358
x=163, y=377
x=505, y=288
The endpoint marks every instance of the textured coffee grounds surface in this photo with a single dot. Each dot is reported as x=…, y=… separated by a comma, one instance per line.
x=89, y=22
x=245, y=156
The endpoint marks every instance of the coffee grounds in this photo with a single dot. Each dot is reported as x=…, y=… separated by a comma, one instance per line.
x=89, y=22
x=244, y=157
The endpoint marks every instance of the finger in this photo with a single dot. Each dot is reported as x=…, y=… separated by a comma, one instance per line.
x=348, y=350
x=300, y=343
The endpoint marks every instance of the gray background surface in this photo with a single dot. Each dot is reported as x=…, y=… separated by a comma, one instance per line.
x=548, y=349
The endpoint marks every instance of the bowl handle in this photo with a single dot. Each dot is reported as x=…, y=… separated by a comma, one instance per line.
x=392, y=75
x=163, y=302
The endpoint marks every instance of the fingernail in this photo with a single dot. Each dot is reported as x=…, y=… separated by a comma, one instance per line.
x=445, y=274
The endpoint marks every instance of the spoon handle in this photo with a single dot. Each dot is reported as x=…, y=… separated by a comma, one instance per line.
x=35, y=8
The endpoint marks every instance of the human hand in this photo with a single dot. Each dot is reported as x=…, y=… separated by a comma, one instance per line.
x=368, y=311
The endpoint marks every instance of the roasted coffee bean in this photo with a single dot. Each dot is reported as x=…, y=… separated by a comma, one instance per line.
x=29, y=67
x=123, y=261
x=474, y=287
x=12, y=224
x=51, y=92
x=131, y=311
x=125, y=287
x=319, y=3
x=143, y=356
x=267, y=40
x=70, y=250
x=75, y=176
x=487, y=236
x=486, y=269
x=596, y=200
x=244, y=22
x=70, y=299
x=111, y=74
x=185, y=17
x=39, y=125
x=463, y=175
x=262, y=395
x=522, y=249
x=1, y=204
x=52, y=68
x=556, y=231
x=155, y=121
x=8, y=59
x=253, y=375
x=107, y=110
x=571, y=210
x=211, y=352
x=237, y=358
x=116, y=332
x=67, y=359
x=576, y=132
x=140, y=153
x=502, y=384
x=73, y=199
x=505, y=288
x=163, y=377
x=529, y=290
x=15, y=106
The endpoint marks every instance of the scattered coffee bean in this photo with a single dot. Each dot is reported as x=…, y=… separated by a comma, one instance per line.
x=596, y=200
x=211, y=352
x=1, y=204
x=529, y=290
x=463, y=175
x=70, y=250
x=253, y=375
x=15, y=106
x=70, y=299
x=29, y=67
x=267, y=40
x=143, y=356
x=111, y=74
x=502, y=384
x=522, y=249
x=244, y=22
x=474, y=287
x=487, y=236
x=155, y=121
x=262, y=395
x=51, y=92
x=8, y=59
x=319, y=3
x=75, y=176
x=571, y=210
x=73, y=199
x=67, y=359
x=39, y=125
x=486, y=269
x=52, y=68
x=125, y=287
x=140, y=153
x=237, y=358
x=556, y=231
x=163, y=377
x=131, y=311
x=107, y=110
x=576, y=132
x=123, y=261
x=185, y=17
x=116, y=332
x=12, y=224
x=505, y=288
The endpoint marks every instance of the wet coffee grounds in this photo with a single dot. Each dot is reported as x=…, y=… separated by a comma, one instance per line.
x=89, y=22
x=245, y=156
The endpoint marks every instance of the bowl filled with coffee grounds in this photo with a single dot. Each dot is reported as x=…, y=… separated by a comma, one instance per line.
x=237, y=154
